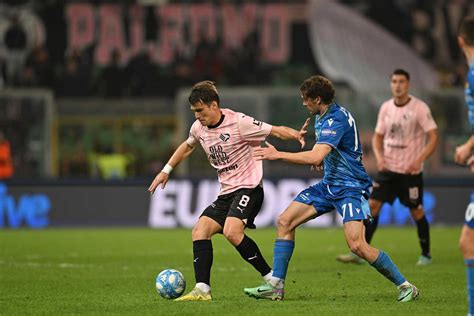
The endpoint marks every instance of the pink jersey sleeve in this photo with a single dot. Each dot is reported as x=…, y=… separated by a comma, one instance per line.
x=424, y=117
x=253, y=130
x=193, y=137
x=380, y=128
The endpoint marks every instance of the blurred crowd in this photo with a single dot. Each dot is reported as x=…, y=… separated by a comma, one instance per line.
x=77, y=76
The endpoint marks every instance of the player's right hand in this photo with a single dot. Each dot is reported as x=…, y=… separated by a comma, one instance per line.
x=265, y=153
x=161, y=178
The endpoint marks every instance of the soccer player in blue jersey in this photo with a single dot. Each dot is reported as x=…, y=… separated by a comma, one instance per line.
x=345, y=187
x=463, y=154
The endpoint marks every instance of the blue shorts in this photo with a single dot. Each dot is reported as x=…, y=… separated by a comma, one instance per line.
x=470, y=213
x=349, y=202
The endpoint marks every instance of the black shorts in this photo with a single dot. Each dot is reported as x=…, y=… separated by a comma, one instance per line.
x=387, y=186
x=243, y=203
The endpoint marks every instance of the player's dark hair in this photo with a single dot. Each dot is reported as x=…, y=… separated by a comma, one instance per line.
x=466, y=30
x=401, y=72
x=205, y=92
x=318, y=86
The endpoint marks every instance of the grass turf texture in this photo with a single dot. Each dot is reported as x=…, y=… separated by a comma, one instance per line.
x=112, y=271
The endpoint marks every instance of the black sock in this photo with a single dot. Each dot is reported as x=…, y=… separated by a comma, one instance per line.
x=202, y=250
x=248, y=249
x=424, y=236
x=370, y=229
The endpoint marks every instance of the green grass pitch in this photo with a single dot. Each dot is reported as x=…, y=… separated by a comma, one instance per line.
x=112, y=272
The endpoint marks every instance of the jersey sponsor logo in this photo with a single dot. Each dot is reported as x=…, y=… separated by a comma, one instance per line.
x=330, y=121
x=396, y=132
x=224, y=137
x=218, y=156
x=232, y=167
x=328, y=132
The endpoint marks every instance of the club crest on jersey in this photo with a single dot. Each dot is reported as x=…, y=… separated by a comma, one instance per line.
x=224, y=137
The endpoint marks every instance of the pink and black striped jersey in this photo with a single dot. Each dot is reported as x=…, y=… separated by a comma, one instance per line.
x=229, y=148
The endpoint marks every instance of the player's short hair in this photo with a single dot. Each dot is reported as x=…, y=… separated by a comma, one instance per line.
x=205, y=92
x=401, y=72
x=318, y=86
x=466, y=30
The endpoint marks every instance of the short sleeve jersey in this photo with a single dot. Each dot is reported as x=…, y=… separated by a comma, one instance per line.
x=229, y=147
x=343, y=165
x=404, y=131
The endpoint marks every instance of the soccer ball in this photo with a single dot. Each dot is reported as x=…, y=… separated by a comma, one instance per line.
x=170, y=283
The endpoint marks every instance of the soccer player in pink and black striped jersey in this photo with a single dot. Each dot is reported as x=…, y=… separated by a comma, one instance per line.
x=228, y=138
x=405, y=136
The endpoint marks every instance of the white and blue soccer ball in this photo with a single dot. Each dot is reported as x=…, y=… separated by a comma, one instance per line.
x=170, y=283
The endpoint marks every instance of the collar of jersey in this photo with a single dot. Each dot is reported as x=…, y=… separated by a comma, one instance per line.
x=327, y=111
x=218, y=123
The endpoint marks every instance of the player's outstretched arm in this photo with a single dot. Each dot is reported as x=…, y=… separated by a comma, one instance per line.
x=310, y=157
x=162, y=177
x=284, y=132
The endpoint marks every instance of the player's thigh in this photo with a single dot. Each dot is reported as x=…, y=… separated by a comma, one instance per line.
x=296, y=214
x=316, y=196
x=375, y=206
x=213, y=217
x=411, y=192
x=246, y=204
x=466, y=242
x=353, y=232
x=205, y=228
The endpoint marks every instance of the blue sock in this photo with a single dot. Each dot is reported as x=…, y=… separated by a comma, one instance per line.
x=470, y=285
x=281, y=257
x=385, y=266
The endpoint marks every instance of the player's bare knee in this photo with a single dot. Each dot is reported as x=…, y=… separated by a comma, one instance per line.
x=233, y=235
x=466, y=247
x=199, y=233
x=375, y=207
x=356, y=246
x=283, y=224
x=417, y=213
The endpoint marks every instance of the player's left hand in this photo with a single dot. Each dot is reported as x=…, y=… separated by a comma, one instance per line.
x=265, y=153
x=303, y=131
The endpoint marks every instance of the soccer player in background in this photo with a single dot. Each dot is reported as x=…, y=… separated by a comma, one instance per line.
x=344, y=187
x=228, y=138
x=463, y=154
x=400, y=148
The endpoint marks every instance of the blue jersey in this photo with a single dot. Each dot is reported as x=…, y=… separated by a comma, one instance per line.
x=343, y=165
x=469, y=94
